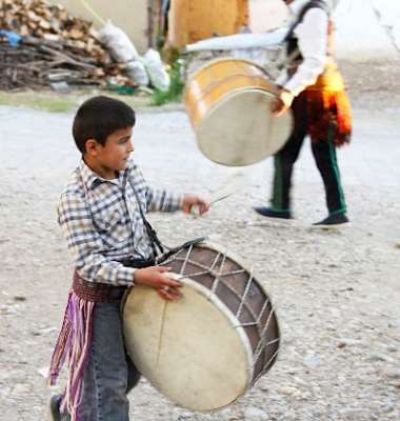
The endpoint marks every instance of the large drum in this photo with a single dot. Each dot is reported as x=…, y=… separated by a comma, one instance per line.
x=228, y=102
x=207, y=349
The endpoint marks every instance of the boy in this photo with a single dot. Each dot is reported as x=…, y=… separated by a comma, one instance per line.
x=102, y=215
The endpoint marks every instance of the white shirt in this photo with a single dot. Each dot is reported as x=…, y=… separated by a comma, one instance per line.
x=312, y=34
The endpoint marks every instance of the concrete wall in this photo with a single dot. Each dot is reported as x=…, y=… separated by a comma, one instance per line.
x=129, y=15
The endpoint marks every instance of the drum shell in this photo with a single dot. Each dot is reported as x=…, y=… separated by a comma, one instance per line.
x=228, y=103
x=208, y=85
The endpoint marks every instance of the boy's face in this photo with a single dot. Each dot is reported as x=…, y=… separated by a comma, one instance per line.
x=107, y=160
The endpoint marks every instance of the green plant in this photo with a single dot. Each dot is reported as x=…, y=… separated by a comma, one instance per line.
x=175, y=89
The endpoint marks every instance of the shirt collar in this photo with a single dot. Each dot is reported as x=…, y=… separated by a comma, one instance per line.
x=297, y=6
x=91, y=179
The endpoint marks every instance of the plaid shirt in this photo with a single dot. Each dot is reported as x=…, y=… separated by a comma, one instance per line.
x=102, y=224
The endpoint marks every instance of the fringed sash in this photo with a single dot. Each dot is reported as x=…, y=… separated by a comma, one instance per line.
x=72, y=348
x=328, y=108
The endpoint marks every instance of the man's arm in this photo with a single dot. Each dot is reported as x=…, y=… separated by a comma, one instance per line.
x=312, y=42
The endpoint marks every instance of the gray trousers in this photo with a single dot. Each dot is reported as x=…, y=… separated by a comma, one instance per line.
x=110, y=374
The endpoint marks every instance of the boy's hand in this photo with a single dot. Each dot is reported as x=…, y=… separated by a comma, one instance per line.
x=191, y=201
x=157, y=278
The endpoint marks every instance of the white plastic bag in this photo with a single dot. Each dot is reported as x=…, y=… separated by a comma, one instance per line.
x=122, y=49
x=155, y=68
x=118, y=43
x=137, y=72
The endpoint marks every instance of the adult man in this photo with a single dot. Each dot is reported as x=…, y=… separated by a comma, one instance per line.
x=312, y=86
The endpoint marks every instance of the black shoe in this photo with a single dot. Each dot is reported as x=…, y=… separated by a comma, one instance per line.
x=272, y=213
x=54, y=408
x=335, y=219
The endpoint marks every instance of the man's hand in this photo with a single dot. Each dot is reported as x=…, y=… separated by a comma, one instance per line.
x=282, y=102
x=190, y=202
x=156, y=277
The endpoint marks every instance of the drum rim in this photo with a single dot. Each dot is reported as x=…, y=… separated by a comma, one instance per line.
x=241, y=262
x=224, y=99
x=232, y=255
x=222, y=59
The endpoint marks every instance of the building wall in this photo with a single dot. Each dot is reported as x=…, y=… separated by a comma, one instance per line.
x=265, y=15
x=130, y=15
x=194, y=20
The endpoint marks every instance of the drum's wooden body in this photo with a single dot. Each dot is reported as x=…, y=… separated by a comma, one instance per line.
x=228, y=102
x=206, y=350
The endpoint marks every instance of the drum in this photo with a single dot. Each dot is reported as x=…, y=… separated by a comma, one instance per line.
x=207, y=349
x=228, y=103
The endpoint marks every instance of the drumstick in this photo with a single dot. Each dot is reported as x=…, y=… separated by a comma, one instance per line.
x=228, y=188
x=211, y=203
x=218, y=199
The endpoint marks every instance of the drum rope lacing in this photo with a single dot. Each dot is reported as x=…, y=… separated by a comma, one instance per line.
x=218, y=274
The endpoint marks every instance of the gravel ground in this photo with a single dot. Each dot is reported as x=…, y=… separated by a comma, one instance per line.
x=336, y=291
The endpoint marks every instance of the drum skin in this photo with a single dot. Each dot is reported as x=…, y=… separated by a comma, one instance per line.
x=207, y=349
x=228, y=102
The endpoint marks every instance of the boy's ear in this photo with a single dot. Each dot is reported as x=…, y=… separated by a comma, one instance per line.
x=91, y=147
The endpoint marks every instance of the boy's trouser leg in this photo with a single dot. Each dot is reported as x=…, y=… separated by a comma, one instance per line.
x=326, y=160
x=109, y=374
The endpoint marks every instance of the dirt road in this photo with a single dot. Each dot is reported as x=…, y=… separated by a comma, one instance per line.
x=337, y=292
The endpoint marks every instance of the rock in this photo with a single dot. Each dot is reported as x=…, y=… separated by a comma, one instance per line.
x=255, y=414
x=312, y=361
x=392, y=348
x=21, y=389
x=380, y=357
x=343, y=342
x=391, y=373
x=290, y=391
x=353, y=414
x=43, y=371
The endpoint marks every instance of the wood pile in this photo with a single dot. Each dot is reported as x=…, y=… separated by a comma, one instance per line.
x=56, y=47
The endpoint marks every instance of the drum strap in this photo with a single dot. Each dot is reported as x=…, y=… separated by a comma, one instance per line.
x=310, y=5
x=293, y=49
x=155, y=242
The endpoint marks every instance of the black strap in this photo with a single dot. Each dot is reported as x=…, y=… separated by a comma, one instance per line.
x=155, y=243
x=310, y=5
x=174, y=250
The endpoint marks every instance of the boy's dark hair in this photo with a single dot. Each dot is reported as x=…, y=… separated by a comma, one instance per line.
x=98, y=117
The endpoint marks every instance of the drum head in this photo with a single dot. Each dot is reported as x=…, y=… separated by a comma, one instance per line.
x=241, y=130
x=189, y=350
